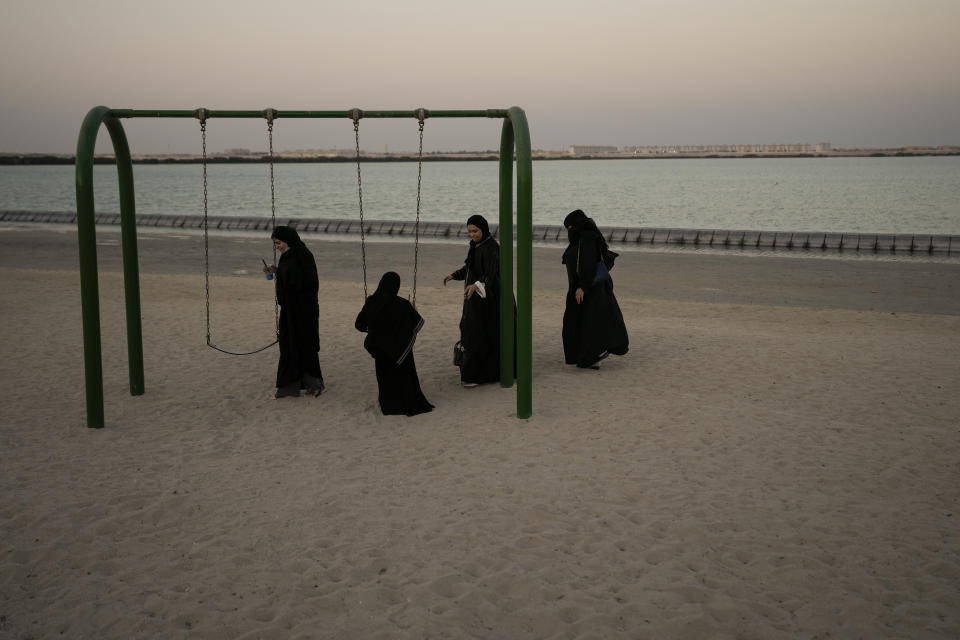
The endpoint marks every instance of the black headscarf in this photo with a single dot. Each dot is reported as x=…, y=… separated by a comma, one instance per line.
x=388, y=288
x=288, y=235
x=574, y=218
x=391, y=323
x=296, y=281
x=480, y=223
x=581, y=228
x=577, y=222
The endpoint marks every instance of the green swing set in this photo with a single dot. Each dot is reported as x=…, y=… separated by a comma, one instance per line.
x=514, y=143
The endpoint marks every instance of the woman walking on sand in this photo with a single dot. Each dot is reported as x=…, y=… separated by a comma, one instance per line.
x=299, y=331
x=593, y=326
x=480, y=319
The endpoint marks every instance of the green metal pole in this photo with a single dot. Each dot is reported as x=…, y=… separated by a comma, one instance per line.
x=214, y=113
x=89, y=288
x=507, y=342
x=521, y=132
x=87, y=241
x=131, y=267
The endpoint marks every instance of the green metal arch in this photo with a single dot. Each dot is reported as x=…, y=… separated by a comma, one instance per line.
x=86, y=237
x=515, y=137
x=515, y=140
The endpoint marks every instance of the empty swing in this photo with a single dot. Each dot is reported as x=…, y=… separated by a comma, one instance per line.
x=202, y=115
x=421, y=115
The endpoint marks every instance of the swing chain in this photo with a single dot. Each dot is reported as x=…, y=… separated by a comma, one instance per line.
x=421, y=115
x=356, y=114
x=201, y=115
x=273, y=193
x=270, y=114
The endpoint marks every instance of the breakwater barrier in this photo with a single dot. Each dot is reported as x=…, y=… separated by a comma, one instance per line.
x=939, y=244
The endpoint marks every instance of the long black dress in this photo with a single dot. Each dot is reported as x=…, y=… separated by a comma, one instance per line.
x=480, y=320
x=297, y=285
x=392, y=324
x=594, y=328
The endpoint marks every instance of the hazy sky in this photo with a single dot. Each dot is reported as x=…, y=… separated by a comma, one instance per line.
x=856, y=73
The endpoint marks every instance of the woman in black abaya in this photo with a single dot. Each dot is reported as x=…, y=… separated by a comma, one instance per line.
x=593, y=326
x=299, y=332
x=480, y=320
x=391, y=324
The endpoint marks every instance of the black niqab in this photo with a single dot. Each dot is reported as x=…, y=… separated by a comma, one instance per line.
x=582, y=231
x=577, y=223
x=574, y=218
x=592, y=328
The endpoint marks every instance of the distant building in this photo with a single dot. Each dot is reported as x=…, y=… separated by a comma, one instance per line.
x=704, y=149
x=823, y=147
x=587, y=149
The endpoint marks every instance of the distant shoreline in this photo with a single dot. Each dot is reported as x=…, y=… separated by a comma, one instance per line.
x=64, y=159
x=876, y=243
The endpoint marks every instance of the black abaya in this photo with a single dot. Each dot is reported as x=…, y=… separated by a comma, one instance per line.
x=297, y=285
x=398, y=388
x=392, y=324
x=594, y=328
x=480, y=320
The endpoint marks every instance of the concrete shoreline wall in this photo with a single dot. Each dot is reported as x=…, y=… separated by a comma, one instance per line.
x=939, y=244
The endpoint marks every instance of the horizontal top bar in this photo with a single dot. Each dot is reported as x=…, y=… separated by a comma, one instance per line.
x=412, y=113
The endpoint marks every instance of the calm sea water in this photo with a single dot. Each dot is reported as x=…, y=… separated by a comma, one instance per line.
x=862, y=195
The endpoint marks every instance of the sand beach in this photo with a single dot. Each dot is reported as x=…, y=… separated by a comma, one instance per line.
x=778, y=456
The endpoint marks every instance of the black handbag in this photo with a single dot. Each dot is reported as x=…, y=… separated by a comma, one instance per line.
x=608, y=258
x=458, y=354
x=604, y=265
x=601, y=273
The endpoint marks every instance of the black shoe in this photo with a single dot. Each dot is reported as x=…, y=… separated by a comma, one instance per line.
x=288, y=391
x=596, y=365
x=313, y=385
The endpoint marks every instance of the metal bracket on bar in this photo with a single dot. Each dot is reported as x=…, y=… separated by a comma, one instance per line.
x=270, y=114
x=356, y=114
x=422, y=114
x=201, y=114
